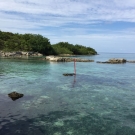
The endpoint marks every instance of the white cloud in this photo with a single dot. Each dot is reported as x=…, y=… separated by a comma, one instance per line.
x=91, y=10
x=58, y=19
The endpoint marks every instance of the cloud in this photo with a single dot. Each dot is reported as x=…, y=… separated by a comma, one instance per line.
x=87, y=10
x=70, y=19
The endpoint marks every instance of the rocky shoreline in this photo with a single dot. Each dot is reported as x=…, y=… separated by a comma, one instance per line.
x=66, y=59
x=19, y=54
x=69, y=59
x=116, y=61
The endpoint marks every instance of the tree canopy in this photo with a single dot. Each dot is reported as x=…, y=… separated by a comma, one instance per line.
x=66, y=48
x=37, y=43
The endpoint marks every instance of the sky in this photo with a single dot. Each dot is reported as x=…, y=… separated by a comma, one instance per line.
x=105, y=25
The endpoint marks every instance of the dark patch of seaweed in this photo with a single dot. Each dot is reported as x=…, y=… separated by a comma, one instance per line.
x=91, y=124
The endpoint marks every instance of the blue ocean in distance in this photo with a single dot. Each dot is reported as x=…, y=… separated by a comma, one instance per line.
x=99, y=100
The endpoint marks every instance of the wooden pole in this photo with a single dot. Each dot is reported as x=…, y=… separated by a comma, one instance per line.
x=75, y=66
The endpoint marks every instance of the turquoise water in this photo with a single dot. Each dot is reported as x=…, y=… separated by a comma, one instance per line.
x=99, y=100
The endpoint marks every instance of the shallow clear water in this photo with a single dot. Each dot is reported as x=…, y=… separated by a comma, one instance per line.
x=99, y=100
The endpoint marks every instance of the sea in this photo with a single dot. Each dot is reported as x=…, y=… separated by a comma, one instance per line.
x=98, y=100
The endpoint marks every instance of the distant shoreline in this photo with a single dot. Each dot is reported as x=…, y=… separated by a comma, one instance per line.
x=115, y=53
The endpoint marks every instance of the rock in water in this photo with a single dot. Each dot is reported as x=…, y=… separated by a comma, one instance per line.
x=114, y=61
x=14, y=95
x=69, y=74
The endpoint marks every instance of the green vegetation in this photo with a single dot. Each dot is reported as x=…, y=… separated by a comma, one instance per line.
x=25, y=42
x=66, y=48
x=38, y=43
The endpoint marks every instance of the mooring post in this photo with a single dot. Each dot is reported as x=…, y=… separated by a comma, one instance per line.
x=75, y=66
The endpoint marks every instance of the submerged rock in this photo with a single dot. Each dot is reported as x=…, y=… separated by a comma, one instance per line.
x=103, y=62
x=14, y=95
x=69, y=74
x=131, y=61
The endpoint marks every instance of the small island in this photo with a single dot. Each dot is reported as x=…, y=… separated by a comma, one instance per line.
x=14, y=44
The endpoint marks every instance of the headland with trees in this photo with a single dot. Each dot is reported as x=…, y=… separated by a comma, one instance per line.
x=10, y=42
